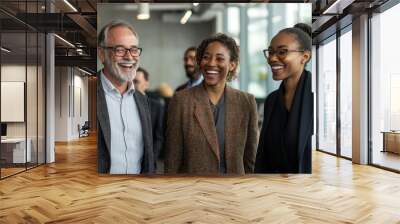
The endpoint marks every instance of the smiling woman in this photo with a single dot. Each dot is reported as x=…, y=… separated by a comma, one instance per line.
x=212, y=128
x=285, y=140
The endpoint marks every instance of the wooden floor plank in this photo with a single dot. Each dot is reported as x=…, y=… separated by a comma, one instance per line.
x=71, y=191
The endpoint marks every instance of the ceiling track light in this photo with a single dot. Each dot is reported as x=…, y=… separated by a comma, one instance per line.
x=84, y=71
x=5, y=49
x=65, y=41
x=337, y=7
x=144, y=11
x=186, y=17
x=70, y=5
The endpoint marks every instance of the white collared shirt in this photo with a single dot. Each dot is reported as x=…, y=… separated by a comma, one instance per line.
x=126, y=147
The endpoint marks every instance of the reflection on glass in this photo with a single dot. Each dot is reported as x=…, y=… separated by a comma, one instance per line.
x=385, y=86
x=346, y=94
x=327, y=97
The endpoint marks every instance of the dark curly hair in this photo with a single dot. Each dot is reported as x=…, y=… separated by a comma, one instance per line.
x=229, y=43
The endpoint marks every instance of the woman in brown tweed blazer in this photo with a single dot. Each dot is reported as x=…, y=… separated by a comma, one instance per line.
x=212, y=128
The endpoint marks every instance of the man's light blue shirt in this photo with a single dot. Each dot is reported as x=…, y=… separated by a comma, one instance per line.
x=127, y=148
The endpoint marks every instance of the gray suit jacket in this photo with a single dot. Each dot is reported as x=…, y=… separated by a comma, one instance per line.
x=104, y=132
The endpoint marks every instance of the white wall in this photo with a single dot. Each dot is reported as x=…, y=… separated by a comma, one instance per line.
x=14, y=72
x=33, y=126
x=69, y=82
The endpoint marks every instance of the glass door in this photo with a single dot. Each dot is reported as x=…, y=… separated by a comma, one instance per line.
x=327, y=96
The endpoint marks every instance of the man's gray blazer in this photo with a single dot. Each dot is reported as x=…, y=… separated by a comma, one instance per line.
x=104, y=132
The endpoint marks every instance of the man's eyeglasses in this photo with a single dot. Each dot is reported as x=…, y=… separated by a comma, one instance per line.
x=121, y=51
x=280, y=53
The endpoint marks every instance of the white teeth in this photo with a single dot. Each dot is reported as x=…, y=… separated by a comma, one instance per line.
x=276, y=67
x=126, y=65
x=212, y=72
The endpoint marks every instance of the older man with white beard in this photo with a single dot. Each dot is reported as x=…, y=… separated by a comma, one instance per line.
x=124, y=141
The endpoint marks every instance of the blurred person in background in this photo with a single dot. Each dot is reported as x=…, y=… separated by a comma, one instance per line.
x=142, y=84
x=194, y=76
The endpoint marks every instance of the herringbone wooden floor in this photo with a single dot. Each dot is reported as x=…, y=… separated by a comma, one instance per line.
x=70, y=191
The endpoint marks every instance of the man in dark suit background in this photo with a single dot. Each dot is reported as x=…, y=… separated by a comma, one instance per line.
x=156, y=111
x=124, y=142
x=195, y=77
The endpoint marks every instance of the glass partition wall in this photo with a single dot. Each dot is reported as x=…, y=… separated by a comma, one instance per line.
x=346, y=93
x=385, y=90
x=327, y=95
x=22, y=77
x=334, y=80
x=334, y=96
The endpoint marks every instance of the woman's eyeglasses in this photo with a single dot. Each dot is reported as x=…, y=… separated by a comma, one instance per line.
x=280, y=53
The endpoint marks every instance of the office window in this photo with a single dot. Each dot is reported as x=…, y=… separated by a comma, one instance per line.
x=385, y=89
x=253, y=26
x=346, y=94
x=314, y=90
x=257, y=25
x=232, y=27
x=327, y=96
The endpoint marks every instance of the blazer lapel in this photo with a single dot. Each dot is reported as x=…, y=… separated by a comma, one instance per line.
x=146, y=132
x=306, y=121
x=205, y=119
x=102, y=112
x=142, y=113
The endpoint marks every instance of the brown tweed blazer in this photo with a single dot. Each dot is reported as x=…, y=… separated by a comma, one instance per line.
x=191, y=138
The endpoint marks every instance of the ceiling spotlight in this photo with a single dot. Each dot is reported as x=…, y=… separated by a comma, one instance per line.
x=186, y=17
x=195, y=4
x=5, y=49
x=70, y=5
x=144, y=11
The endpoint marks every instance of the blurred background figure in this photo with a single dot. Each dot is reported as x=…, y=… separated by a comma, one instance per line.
x=165, y=90
x=141, y=82
x=195, y=77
